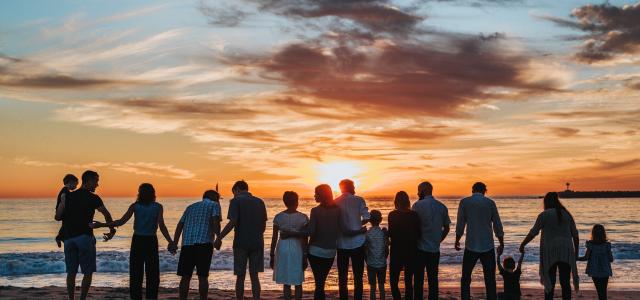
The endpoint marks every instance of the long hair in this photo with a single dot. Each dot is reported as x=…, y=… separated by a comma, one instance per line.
x=598, y=234
x=402, y=200
x=324, y=194
x=146, y=194
x=551, y=200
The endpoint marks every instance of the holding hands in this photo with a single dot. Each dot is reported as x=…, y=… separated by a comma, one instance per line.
x=172, y=248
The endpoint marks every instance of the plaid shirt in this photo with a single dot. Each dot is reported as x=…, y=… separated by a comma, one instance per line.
x=195, y=221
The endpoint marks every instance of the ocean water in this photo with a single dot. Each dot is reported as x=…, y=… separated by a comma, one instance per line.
x=29, y=256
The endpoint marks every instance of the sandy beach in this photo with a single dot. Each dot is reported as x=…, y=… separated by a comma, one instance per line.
x=172, y=293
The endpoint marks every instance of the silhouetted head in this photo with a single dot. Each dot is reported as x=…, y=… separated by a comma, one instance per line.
x=239, y=187
x=551, y=201
x=90, y=180
x=479, y=187
x=375, y=217
x=290, y=200
x=347, y=186
x=509, y=263
x=211, y=195
x=402, y=200
x=324, y=195
x=598, y=234
x=146, y=193
x=425, y=189
x=70, y=181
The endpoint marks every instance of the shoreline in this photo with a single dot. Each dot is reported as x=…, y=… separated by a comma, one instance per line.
x=449, y=293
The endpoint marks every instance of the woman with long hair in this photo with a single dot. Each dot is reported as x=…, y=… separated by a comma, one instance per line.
x=144, y=243
x=559, y=246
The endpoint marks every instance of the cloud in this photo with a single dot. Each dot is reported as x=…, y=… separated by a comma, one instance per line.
x=612, y=165
x=412, y=135
x=222, y=15
x=611, y=31
x=564, y=132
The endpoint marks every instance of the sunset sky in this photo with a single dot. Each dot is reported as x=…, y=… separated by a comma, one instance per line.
x=523, y=95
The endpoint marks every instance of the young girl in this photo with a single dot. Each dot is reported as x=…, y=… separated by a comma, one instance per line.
x=599, y=259
x=511, y=276
x=288, y=258
x=144, y=243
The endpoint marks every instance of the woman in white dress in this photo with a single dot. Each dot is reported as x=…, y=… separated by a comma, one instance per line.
x=288, y=258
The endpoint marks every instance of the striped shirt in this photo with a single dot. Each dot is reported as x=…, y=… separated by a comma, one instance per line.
x=195, y=221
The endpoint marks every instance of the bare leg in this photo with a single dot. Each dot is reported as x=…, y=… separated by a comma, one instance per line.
x=86, y=284
x=298, y=292
x=240, y=287
x=286, y=290
x=71, y=285
x=255, y=285
x=203, y=287
x=185, y=281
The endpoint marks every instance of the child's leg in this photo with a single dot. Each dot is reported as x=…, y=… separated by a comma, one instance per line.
x=601, y=287
x=382, y=278
x=371, y=275
x=287, y=292
x=298, y=292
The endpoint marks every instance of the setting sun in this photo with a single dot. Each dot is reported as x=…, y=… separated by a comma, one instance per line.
x=331, y=173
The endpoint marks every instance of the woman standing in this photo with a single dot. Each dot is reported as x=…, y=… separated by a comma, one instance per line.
x=144, y=243
x=559, y=246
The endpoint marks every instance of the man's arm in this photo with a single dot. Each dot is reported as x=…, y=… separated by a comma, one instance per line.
x=499, y=263
x=107, y=217
x=60, y=209
x=227, y=228
x=461, y=222
x=520, y=260
x=445, y=231
x=364, y=212
x=497, y=228
x=176, y=238
x=214, y=224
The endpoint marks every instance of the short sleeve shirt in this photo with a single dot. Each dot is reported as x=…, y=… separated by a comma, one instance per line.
x=250, y=214
x=195, y=221
x=79, y=209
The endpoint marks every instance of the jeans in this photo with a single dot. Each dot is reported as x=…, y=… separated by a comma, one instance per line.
x=601, y=286
x=488, y=260
x=430, y=262
x=565, y=274
x=398, y=263
x=144, y=259
x=320, y=267
x=357, y=265
x=377, y=278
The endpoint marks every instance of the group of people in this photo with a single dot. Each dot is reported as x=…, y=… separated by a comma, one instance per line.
x=335, y=228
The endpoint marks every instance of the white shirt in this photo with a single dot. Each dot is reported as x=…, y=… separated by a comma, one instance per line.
x=479, y=215
x=433, y=217
x=353, y=210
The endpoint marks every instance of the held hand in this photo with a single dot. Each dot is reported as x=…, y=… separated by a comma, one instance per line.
x=457, y=246
x=96, y=224
x=109, y=235
x=500, y=249
x=217, y=243
x=172, y=248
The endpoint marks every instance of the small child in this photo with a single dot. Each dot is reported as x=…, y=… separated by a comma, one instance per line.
x=377, y=250
x=599, y=258
x=288, y=258
x=70, y=182
x=511, y=276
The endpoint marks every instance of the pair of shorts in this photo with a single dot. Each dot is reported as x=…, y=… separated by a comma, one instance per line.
x=195, y=256
x=254, y=257
x=80, y=251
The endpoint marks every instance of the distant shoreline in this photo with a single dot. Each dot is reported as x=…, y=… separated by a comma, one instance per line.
x=599, y=194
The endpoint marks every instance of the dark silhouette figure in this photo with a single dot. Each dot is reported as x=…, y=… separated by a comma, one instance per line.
x=599, y=258
x=143, y=257
x=511, y=277
x=404, y=232
x=70, y=183
x=559, y=246
x=377, y=250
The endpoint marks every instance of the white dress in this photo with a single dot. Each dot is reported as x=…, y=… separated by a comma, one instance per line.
x=288, y=259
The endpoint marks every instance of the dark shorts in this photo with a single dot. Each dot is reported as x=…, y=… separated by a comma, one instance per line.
x=254, y=257
x=195, y=256
x=80, y=251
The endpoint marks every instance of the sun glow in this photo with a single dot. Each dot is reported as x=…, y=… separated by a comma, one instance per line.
x=331, y=173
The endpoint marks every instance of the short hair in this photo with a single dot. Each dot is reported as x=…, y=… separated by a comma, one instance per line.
x=479, y=187
x=425, y=188
x=375, y=217
x=290, y=199
x=146, y=193
x=89, y=175
x=402, y=200
x=211, y=195
x=240, y=185
x=347, y=185
x=509, y=263
x=69, y=178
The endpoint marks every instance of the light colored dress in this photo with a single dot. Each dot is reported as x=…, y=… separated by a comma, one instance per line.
x=288, y=259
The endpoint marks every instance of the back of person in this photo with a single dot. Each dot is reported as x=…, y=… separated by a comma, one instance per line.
x=404, y=231
x=433, y=217
x=146, y=219
x=79, y=211
x=511, y=283
x=376, y=247
x=251, y=216
x=599, y=264
x=352, y=209
x=196, y=220
x=553, y=227
x=326, y=228
x=479, y=212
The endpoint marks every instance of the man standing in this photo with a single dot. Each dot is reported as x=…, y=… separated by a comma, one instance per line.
x=479, y=215
x=434, y=228
x=76, y=212
x=248, y=217
x=353, y=214
x=200, y=224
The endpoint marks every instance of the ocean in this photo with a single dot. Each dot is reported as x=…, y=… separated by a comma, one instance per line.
x=29, y=256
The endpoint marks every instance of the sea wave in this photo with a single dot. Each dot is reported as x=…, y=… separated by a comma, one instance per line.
x=30, y=263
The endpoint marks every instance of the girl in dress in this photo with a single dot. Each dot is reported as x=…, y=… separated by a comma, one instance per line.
x=288, y=256
x=599, y=259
